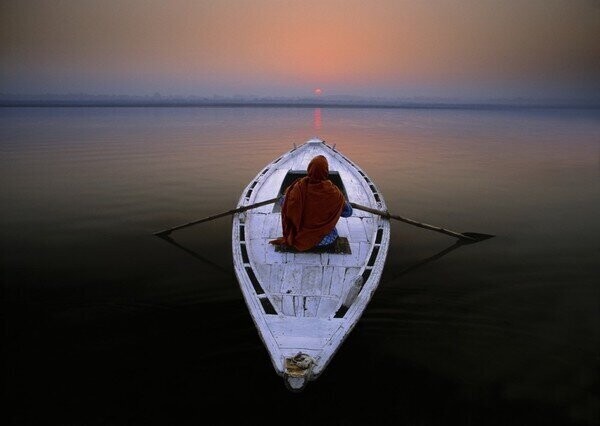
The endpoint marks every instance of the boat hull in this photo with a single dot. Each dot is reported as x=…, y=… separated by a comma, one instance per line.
x=304, y=305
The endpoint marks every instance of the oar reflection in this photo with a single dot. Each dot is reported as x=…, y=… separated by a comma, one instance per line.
x=196, y=255
x=425, y=261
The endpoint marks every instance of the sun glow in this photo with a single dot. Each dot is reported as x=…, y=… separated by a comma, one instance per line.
x=318, y=91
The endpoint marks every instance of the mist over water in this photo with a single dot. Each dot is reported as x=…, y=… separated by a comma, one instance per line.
x=105, y=323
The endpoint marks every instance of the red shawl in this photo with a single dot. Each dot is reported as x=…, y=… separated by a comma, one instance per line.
x=312, y=207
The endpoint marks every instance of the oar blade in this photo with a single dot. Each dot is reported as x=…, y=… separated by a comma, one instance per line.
x=475, y=237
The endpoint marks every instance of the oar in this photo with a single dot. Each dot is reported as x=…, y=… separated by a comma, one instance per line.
x=465, y=237
x=165, y=232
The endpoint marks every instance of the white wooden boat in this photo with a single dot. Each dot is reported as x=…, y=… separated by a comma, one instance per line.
x=304, y=305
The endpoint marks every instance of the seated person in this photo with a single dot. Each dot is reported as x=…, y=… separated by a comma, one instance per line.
x=311, y=207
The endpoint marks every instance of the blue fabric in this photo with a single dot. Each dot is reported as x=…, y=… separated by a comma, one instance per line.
x=347, y=211
x=329, y=238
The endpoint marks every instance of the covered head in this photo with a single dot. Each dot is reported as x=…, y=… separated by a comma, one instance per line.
x=318, y=169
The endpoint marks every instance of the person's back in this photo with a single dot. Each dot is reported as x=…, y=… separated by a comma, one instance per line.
x=311, y=208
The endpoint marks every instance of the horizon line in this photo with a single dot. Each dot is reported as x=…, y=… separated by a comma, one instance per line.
x=140, y=101
x=314, y=98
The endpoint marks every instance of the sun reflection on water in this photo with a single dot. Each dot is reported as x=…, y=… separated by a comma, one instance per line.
x=317, y=119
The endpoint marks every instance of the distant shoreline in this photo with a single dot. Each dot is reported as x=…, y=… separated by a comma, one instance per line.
x=233, y=104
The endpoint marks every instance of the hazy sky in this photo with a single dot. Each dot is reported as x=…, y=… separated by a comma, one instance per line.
x=445, y=48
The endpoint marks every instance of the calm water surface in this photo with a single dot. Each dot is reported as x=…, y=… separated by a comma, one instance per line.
x=107, y=324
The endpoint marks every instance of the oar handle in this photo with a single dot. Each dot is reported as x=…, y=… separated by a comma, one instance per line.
x=387, y=215
x=216, y=216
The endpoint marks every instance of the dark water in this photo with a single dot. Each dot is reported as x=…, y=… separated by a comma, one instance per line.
x=106, y=324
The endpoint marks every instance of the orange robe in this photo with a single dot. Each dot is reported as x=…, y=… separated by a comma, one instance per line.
x=312, y=207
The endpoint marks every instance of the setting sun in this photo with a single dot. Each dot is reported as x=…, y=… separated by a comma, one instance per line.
x=318, y=91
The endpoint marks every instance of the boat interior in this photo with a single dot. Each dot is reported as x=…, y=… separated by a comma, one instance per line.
x=319, y=285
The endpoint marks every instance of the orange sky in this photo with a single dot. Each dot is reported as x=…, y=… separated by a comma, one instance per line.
x=260, y=47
